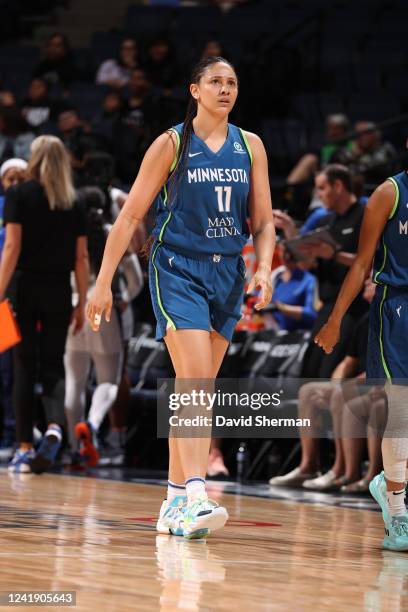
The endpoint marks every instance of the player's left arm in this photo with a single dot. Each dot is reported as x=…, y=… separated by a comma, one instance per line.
x=261, y=216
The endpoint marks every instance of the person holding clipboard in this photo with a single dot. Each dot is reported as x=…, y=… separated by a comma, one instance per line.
x=333, y=259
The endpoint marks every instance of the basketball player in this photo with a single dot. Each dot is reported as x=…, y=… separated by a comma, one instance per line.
x=385, y=219
x=211, y=175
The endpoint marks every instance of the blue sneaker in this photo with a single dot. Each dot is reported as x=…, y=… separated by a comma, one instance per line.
x=21, y=461
x=202, y=517
x=46, y=453
x=395, y=527
x=171, y=516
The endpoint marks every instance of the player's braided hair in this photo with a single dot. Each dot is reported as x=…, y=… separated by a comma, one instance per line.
x=181, y=166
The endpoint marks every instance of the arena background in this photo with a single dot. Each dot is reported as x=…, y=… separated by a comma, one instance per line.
x=298, y=63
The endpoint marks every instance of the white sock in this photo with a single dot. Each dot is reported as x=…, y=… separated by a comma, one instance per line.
x=102, y=400
x=173, y=490
x=195, y=488
x=396, y=503
x=54, y=430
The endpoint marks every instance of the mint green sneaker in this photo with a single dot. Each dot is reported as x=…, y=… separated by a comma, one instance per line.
x=378, y=489
x=395, y=527
x=202, y=517
x=171, y=516
x=396, y=533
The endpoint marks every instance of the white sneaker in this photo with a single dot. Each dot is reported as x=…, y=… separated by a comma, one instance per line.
x=21, y=461
x=202, y=517
x=322, y=483
x=295, y=478
x=171, y=516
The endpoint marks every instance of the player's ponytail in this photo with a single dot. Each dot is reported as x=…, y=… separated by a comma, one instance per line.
x=182, y=153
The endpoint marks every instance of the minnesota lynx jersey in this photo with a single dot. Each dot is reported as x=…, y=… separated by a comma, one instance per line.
x=391, y=259
x=204, y=209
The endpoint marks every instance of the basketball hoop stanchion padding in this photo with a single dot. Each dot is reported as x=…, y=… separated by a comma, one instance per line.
x=9, y=331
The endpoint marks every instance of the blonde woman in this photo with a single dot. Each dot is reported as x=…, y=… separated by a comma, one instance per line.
x=45, y=240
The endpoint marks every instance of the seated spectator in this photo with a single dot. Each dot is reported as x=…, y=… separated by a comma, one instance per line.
x=57, y=67
x=16, y=135
x=289, y=226
x=294, y=296
x=76, y=135
x=161, y=67
x=370, y=156
x=11, y=173
x=7, y=98
x=356, y=420
x=337, y=127
x=116, y=72
x=137, y=126
x=103, y=123
x=212, y=48
x=37, y=107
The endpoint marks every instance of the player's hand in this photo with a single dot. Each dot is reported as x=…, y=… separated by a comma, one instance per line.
x=261, y=279
x=319, y=249
x=100, y=300
x=328, y=336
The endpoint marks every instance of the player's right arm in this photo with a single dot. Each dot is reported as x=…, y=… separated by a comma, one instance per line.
x=376, y=215
x=152, y=175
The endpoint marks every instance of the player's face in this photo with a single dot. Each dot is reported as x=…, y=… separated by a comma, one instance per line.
x=12, y=177
x=325, y=191
x=217, y=89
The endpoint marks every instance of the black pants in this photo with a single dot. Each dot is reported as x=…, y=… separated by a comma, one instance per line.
x=43, y=309
x=6, y=385
x=316, y=363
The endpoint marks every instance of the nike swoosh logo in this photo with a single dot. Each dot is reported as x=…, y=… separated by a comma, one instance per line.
x=398, y=492
x=194, y=154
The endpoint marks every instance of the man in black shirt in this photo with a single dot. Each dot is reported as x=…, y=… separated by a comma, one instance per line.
x=344, y=218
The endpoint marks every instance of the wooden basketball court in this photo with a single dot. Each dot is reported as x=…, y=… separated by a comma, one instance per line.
x=97, y=537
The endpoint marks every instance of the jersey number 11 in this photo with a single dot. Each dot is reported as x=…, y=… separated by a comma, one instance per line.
x=224, y=206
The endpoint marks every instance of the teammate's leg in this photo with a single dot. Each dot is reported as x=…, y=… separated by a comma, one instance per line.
x=108, y=368
x=77, y=365
x=388, y=488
